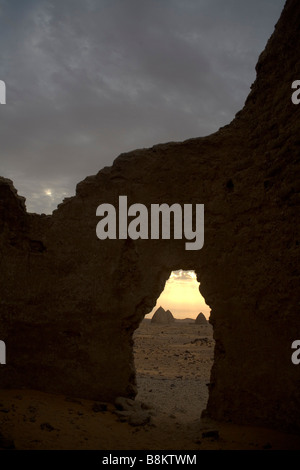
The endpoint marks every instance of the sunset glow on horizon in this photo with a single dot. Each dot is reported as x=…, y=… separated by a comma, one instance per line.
x=182, y=297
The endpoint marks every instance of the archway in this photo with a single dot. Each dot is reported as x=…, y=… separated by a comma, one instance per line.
x=173, y=359
x=69, y=303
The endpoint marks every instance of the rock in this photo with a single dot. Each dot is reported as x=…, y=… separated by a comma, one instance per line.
x=140, y=418
x=6, y=443
x=145, y=406
x=73, y=400
x=132, y=411
x=123, y=415
x=213, y=434
x=267, y=446
x=136, y=412
x=124, y=404
x=99, y=407
x=32, y=409
x=73, y=301
x=47, y=427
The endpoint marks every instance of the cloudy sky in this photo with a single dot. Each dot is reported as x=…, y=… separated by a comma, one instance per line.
x=89, y=79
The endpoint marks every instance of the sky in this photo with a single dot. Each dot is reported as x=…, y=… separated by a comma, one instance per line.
x=182, y=297
x=88, y=80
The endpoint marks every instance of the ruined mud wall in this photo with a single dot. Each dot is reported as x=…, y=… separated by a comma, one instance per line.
x=70, y=302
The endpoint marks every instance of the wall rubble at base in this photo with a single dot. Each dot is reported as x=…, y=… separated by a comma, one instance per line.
x=70, y=302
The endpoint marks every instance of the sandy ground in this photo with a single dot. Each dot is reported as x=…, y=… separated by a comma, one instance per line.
x=173, y=365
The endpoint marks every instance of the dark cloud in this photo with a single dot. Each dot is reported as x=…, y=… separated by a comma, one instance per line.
x=89, y=80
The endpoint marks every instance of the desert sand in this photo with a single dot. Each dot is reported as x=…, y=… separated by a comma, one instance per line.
x=173, y=364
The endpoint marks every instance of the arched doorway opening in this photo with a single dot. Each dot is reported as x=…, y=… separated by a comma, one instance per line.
x=174, y=354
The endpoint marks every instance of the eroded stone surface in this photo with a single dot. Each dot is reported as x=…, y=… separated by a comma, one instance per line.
x=70, y=302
